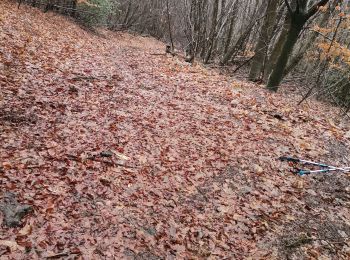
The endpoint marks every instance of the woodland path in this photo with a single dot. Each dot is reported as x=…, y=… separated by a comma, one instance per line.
x=194, y=171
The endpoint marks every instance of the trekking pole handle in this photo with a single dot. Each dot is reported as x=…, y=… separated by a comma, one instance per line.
x=289, y=159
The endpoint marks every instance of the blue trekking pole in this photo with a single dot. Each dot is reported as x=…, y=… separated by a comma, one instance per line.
x=325, y=167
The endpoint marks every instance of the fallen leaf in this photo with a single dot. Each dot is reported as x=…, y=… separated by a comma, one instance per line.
x=258, y=169
x=26, y=230
x=12, y=245
x=299, y=184
x=7, y=165
x=121, y=156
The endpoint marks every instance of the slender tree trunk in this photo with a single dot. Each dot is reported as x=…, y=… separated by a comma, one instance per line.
x=229, y=34
x=169, y=26
x=239, y=43
x=222, y=8
x=212, y=33
x=345, y=91
x=203, y=27
x=127, y=13
x=264, y=40
x=195, y=28
x=74, y=8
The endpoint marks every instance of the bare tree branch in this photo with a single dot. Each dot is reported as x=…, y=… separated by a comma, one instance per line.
x=288, y=7
x=314, y=9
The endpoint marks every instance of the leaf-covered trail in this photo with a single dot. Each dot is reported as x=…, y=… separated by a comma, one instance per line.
x=201, y=178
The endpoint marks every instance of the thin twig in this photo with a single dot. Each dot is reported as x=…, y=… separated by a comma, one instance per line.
x=63, y=254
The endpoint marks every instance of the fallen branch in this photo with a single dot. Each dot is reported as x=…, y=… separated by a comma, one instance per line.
x=243, y=64
x=97, y=158
x=158, y=54
x=84, y=78
x=63, y=254
x=111, y=163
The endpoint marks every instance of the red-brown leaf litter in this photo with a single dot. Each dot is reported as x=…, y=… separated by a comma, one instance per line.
x=127, y=154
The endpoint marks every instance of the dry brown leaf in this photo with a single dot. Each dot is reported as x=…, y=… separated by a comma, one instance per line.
x=258, y=169
x=12, y=245
x=26, y=230
x=299, y=184
x=121, y=156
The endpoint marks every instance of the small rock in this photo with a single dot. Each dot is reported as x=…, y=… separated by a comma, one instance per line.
x=258, y=169
x=311, y=192
x=13, y=212
x=150, y=230
x=245, y=190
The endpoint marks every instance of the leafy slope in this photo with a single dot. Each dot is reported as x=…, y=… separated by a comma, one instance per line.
x=194, y=173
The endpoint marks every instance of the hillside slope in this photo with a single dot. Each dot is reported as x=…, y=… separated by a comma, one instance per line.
x=127, y=154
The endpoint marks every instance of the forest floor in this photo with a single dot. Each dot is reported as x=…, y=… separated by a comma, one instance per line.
x=123, y=153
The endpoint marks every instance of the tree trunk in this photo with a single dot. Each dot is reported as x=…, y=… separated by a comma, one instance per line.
x=278, y=72
x=311, y=40
x=231, y=53
x=264, y=40
x=298, y=17
x=212, y=33
x=169, y=27
x=276, y=51
x=74, y=8
x=229, y=34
